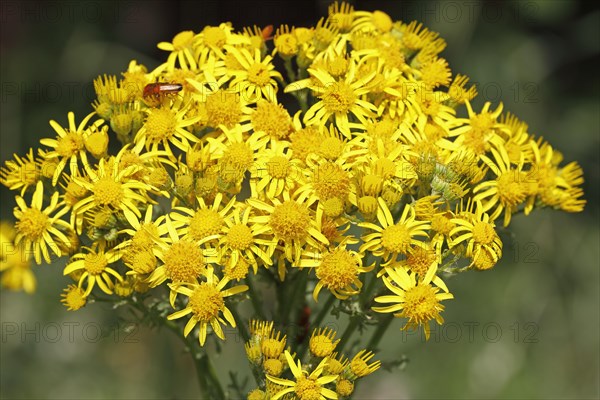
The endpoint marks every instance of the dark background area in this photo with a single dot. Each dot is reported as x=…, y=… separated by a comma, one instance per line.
x=527, y=329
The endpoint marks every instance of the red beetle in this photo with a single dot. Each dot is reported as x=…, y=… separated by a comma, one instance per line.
x=154, y=92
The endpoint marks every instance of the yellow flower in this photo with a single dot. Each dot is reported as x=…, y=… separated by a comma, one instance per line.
x=241, y=240
x=273, y=119
x=337, y=270
x=113, y=188
x=393, y=239
x=236, y=154
x=183, y=260
x=164, y=127
x=273, y=345
x=181, y=50
x=95, y=265
x=275, y=172
x=290, y=222
x=359, y=365
x=305, y=386
x=286, y=43
x=257, y=77
x=457, y=90
x=414, y=36
x=477, y=133
x=73, y=298
x=557, y=187
x=38, y=228
x=69, y=145
x=21, y=173
x=321, y=342
x=376, y=20
x=416, y=300
x=204, y=220
x=341, y=15
x=15, y=262
x=338, y=98
x=478, y=231
x=327, y=180
x=143, y=235
x=206, y=301
x=508, y=191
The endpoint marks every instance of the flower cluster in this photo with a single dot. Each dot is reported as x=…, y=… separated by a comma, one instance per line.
x=328, y=374
x=370, y=187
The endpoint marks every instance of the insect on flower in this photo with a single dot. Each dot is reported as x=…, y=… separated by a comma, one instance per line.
x=154, y=93
x=267, y=33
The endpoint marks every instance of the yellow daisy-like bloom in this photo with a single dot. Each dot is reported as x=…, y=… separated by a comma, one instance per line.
x=206, y=301
x=321, y=342
x=338, y=98
x=414, y=36
x=113, y=188
x=236, y=154
x=292, y=223
x=257, y=78
x=240, y=242
x=183, y=259
x=420, y=258
x=22, y=173
x=359, y=365
x=416, y=300
x=41, y=229
x=273, y=119
x=275, y=171
x=181, y=49
x=164, y=127
x=69, y=145
x=376, y=20
x=306, y=386
x=15, y=263
x=393, y=239
x=337, y=270
x=144, y=235
x=204, y=220
x=218, y=105
x=327, y=180
x=478, y=231
x=273, y=345
x=73, y=298
x=260, y=329
x=557, y=187
x=286, y=43
x=457, y=90
x=341, y=16
x=257, y=394
x=95, y=266
x=479, y=132
x=510, y=189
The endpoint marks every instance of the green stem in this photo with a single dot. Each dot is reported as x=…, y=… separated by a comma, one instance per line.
x=289, y=70
x=324, y=311
x=366, y=293
x=219, y=393
x=240, y=326
x=256, y=304
x=380, y=331
x=347, y=333
x=292, y=298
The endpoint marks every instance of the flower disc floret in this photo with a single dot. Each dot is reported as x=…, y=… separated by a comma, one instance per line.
x=206, y=302
x=183, y=261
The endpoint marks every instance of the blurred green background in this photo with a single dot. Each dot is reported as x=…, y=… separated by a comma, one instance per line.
x=527, y=329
